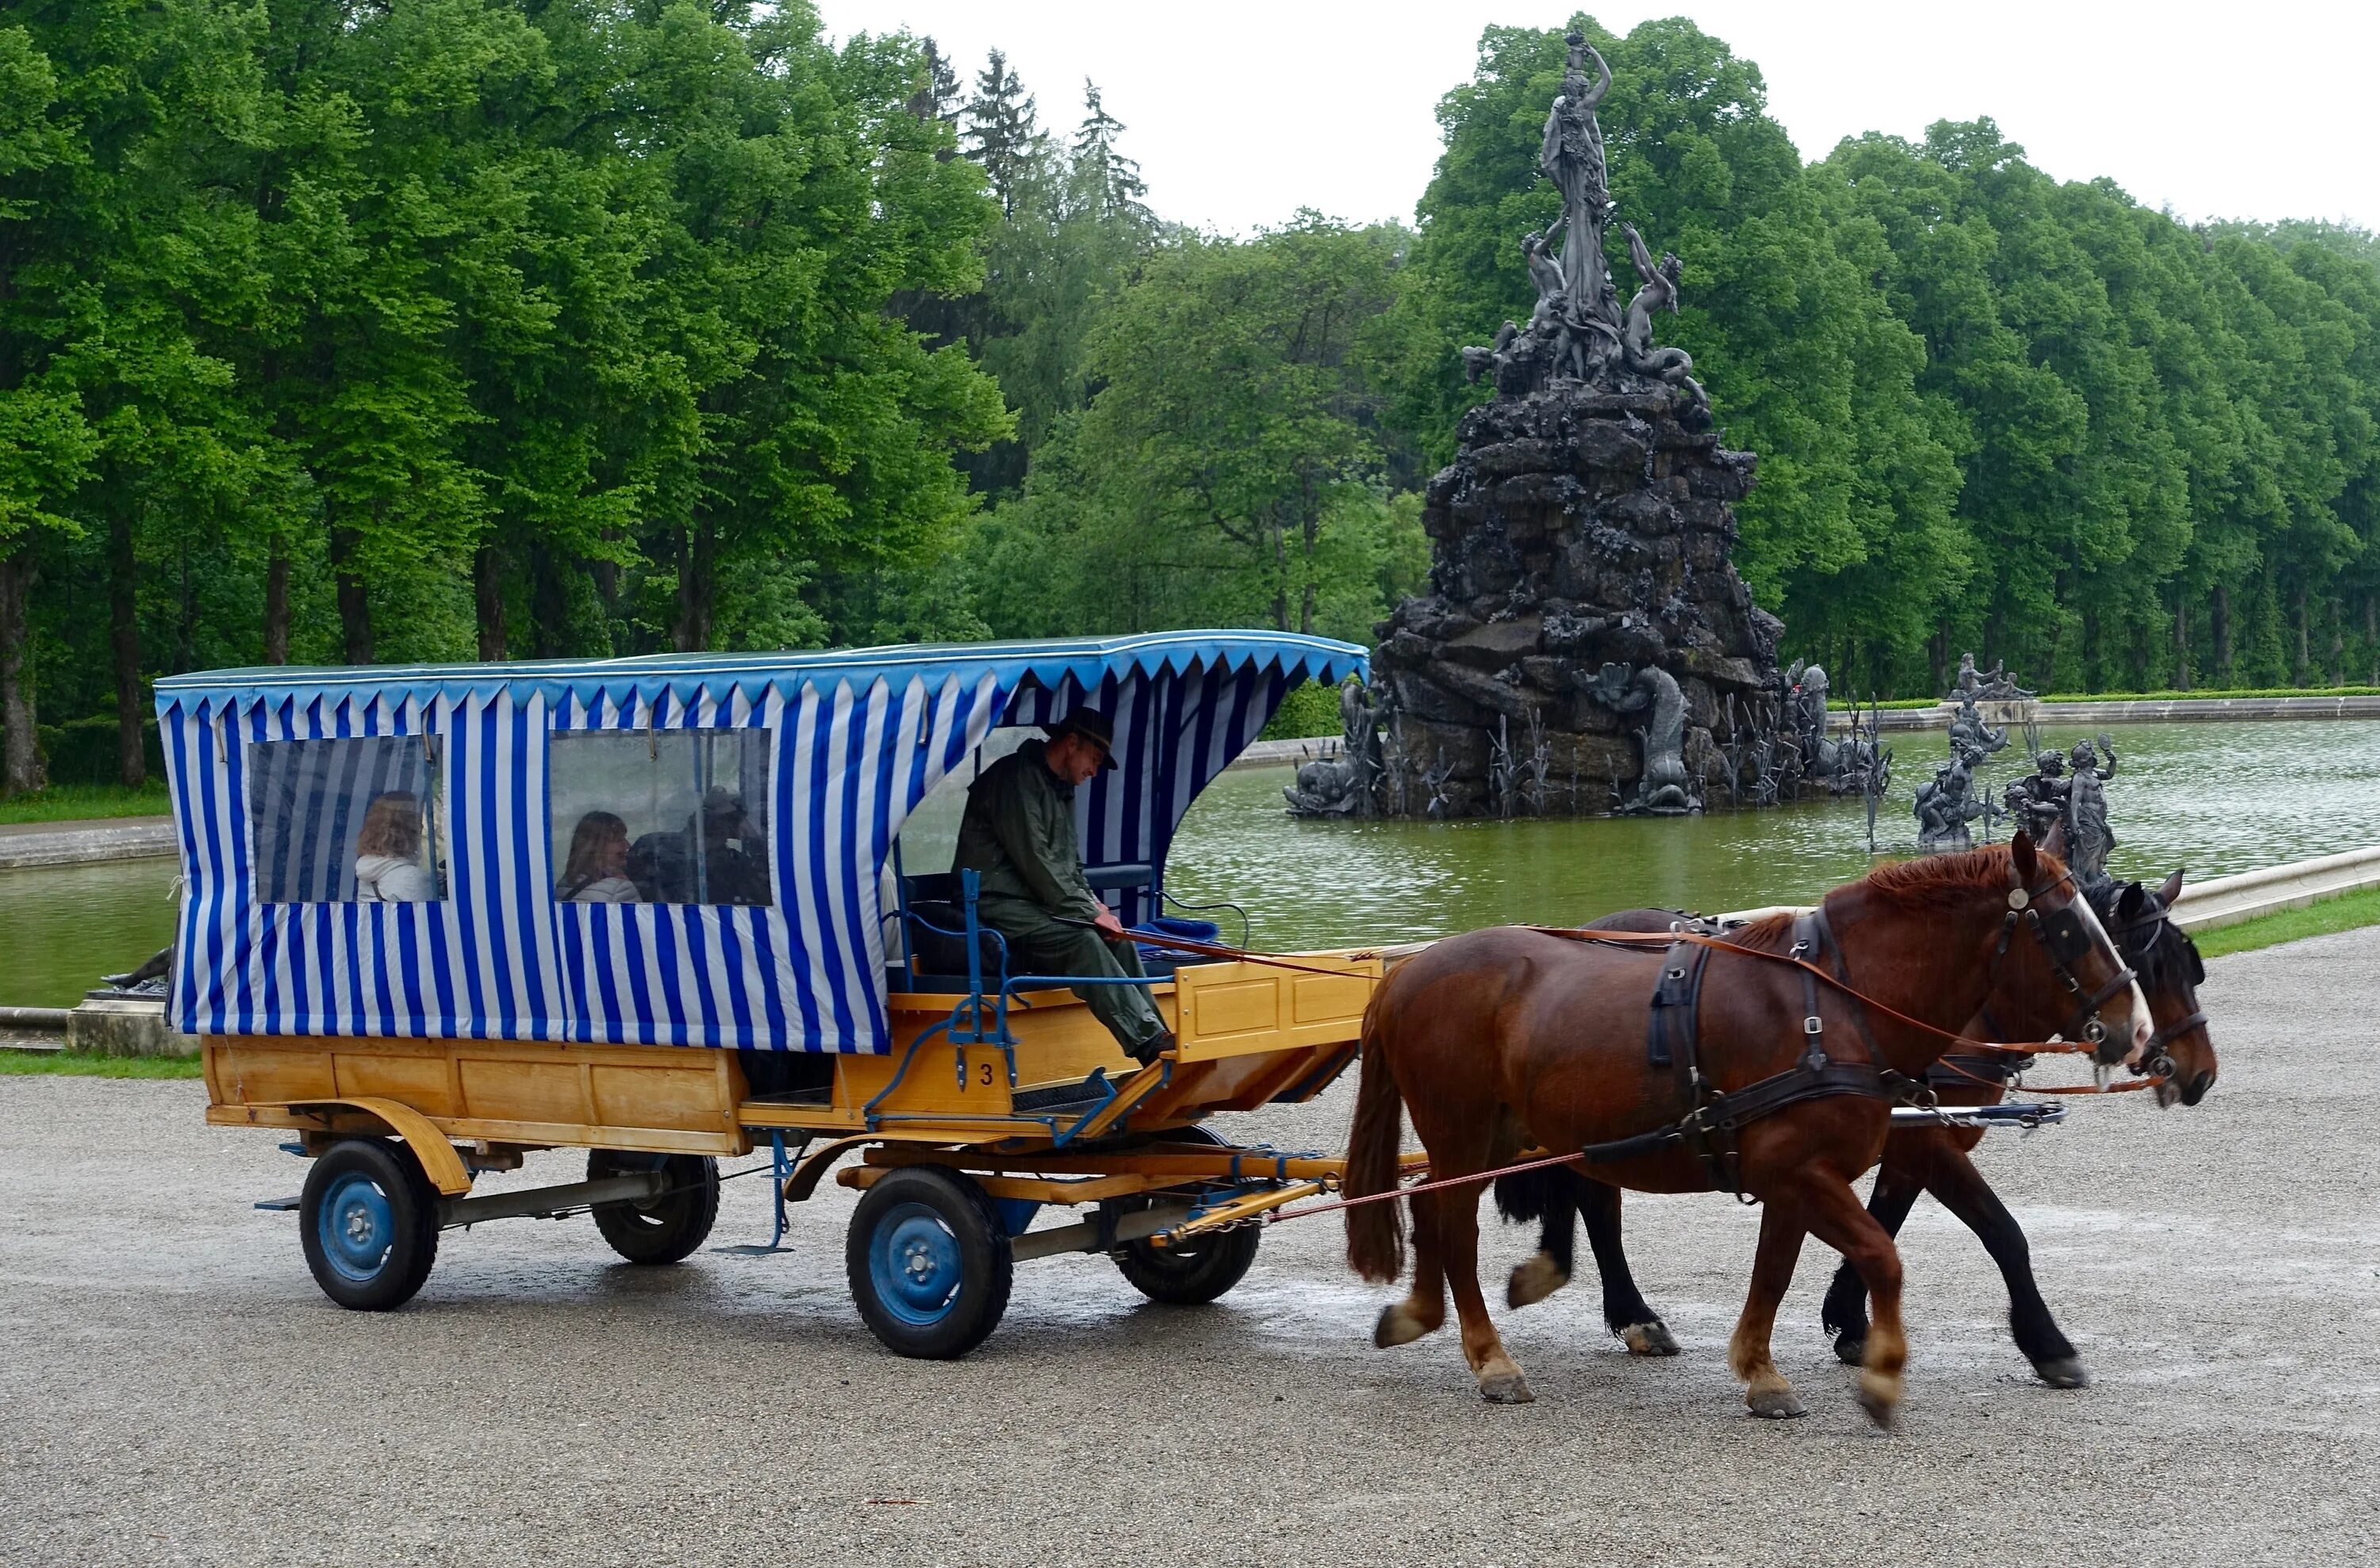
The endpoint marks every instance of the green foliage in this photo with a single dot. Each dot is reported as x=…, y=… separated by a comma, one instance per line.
x=1310, y=711
x=332, y=333
x=1229, y=470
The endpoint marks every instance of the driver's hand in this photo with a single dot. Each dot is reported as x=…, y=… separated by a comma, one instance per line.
x=1108, y=923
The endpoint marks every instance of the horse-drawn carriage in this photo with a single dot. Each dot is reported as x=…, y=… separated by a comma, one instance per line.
x=672, y=909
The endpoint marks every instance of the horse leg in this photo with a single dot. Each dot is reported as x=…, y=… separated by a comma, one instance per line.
x=1963, y=1192
x=1844, y=1313
x=1766, y=1390
x=1457, y=1240
x=1423, y=1310
x=1549, y=1269
x=1837, y=1218
x=1624, y=1309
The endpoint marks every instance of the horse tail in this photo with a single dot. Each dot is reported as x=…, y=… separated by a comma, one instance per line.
x=1376, y=1231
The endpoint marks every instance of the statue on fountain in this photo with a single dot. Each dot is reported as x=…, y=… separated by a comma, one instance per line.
x=1972, y=685
x=1946, y=805
x=2088, y=836
x=1578, y=331
x=1343, y=785
x=1967, y=727
x=2037, y=801
x=1584, y=642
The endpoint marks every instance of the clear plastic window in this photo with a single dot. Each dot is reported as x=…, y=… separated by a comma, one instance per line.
x=660, y=817
x=347, y=820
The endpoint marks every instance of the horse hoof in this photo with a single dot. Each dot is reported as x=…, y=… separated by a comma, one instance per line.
x=1651, y=1338
x=1533, y=1281
x=1775, y=1404
x=1396, y=1326
x=1509, y=1388
x=1880, y=1398
x=1850, y=1352
x=2065, y=1372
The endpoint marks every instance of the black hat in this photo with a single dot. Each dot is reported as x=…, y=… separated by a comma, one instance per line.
x=1093, y=726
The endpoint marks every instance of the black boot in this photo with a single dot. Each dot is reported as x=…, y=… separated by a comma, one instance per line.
x=1148, y=1050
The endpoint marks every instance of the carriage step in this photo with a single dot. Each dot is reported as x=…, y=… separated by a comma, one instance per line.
x=281, y=1205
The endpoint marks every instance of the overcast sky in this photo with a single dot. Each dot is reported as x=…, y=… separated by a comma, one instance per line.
x=1242, y=112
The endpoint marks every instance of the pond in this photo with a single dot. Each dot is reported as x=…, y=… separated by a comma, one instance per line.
x=2213, y=797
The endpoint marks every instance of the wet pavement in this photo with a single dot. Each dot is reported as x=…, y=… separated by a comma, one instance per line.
x=175, y=1390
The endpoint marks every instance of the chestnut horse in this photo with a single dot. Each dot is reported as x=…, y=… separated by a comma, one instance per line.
x=1511, y=1037
x=1935, y=1160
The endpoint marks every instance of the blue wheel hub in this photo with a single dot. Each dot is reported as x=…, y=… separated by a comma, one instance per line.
x=357, y=1227
x=912, y=1261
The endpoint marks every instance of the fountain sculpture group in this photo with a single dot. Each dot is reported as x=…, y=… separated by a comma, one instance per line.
x=1584, y=645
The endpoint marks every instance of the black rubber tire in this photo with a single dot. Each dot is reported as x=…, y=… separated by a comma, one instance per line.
x=669, y=1228
x=1190, y=1276
x=972, y=1241
x=410, y=1204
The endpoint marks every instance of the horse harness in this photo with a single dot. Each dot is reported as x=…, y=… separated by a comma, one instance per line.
x=1963, y=1070
x=1711, y=1129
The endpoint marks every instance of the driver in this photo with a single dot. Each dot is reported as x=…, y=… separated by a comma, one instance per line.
x=1018, y=836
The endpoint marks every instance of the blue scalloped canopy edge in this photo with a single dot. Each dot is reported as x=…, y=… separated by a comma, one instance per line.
x=1089, y=660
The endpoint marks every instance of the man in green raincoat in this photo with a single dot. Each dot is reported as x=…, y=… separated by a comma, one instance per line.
x=1018, y=836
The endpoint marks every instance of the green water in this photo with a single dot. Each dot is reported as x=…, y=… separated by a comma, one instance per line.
x=62, y=926
x=2213, y=797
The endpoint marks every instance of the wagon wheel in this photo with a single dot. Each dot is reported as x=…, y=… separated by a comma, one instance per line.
x=1193, y=1273
x=368, y=1222
x=663, y=1229
x=1197, y=1271
x=928, y=1262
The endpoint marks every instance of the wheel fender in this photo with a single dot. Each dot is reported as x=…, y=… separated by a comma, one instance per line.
x=439, y=1161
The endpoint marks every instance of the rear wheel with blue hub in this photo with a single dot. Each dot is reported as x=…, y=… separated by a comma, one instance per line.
x=369, y=1219
x=928, y=1262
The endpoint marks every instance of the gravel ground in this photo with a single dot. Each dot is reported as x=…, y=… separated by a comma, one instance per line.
x=176, y=1391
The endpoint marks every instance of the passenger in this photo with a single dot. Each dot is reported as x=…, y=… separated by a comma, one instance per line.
x=735, y=864
x=597, y=872
x=1018, y=835
x=388, y=849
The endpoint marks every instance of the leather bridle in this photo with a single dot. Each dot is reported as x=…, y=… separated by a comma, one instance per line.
x=2064, y=939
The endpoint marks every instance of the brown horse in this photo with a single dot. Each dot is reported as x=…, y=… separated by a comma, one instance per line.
x=1511, y=1037
x=1935, y=1159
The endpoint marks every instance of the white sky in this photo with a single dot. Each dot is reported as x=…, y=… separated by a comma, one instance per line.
x=1241, y=113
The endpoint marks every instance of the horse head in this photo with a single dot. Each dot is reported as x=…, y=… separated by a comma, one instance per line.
x=2180, y=1052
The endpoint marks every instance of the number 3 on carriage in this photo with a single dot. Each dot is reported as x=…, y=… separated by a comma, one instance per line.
x=673, y=909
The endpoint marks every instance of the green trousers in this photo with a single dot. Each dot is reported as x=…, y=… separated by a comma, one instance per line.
x=1040, y=945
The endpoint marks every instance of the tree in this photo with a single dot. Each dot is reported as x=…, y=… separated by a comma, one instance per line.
x=1228, y=467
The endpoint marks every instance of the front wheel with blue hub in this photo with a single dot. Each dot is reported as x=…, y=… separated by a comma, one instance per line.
x=928, y=1261
x=368, y=1218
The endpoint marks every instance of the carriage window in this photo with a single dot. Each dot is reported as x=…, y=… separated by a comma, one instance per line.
x=347, y=820
x=660, y=817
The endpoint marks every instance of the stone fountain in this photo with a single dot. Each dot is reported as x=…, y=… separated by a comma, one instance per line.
x=1586, y=645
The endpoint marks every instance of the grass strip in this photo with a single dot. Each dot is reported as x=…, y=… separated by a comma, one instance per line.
x=2346, y=913
x=91, y=1065
x=76, y=803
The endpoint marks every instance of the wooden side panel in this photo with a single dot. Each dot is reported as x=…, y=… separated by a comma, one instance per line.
x=623, y=1097
x=657, y=1097
x=526, y=1091
x=258, y=1073
x=1242, y=1009
x=421, y=1081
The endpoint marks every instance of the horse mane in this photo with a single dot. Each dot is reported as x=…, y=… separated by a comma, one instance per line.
x=1933, y=882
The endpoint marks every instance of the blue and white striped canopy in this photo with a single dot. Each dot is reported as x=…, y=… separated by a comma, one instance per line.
x=858, y=739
